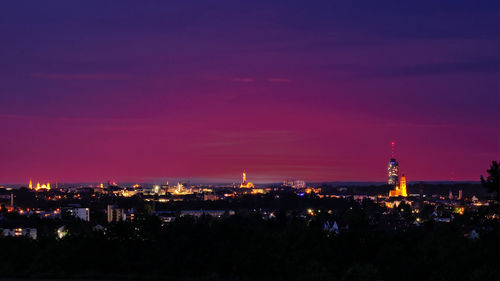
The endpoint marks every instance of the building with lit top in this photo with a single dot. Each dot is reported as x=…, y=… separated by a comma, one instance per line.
x=393, y=177
x=392, y=172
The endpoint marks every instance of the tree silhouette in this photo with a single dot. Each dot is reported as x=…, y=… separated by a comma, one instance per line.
x=491, y=183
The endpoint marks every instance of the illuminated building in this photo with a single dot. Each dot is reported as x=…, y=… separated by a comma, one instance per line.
x=128, y=193
x=312, y=190
x=258, y=191
x=16, y=232
x=39, y=187
x=80, y=213
x=179, y=190
x=156, y=189
x=400, y=189
x=298, y=184
x=164, y=187
x=245, y=183
x=62, y=231
x=115, y=214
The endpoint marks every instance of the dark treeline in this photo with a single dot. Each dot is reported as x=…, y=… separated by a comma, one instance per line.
x=248, y=247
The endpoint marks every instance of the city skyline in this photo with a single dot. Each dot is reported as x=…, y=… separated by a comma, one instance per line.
x=313, y=91
x=250, y=140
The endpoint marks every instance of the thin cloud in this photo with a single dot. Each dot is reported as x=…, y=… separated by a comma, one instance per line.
x=81, y=76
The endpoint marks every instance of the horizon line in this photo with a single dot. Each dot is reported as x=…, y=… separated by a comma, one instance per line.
x=260, y=183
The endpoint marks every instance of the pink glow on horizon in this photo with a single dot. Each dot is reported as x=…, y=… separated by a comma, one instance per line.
x=269, y=146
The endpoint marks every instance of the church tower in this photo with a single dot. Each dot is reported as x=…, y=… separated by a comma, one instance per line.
x=402, y=186
x=244, y=183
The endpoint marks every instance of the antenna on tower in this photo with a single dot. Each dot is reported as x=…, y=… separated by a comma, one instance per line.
x=392, y=149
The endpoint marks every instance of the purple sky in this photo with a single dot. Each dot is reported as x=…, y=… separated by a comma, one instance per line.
x=317, y=90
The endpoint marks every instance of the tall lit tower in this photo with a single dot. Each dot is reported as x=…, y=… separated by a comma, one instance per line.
x=402, y=186
x=392, y=169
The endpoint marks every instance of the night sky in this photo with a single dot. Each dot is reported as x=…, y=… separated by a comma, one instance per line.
x=316, y=90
